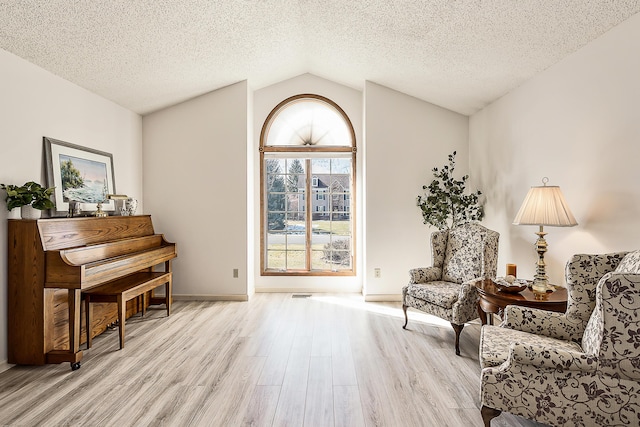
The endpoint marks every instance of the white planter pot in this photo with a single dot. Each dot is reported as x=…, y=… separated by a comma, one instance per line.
x=28, y=212
x=14, y=214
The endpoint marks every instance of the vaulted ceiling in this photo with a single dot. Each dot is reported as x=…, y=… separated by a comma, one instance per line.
x=149, y=54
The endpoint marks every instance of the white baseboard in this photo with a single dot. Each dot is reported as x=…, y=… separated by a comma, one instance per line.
x=383, y=298
x=4, y=365
x=370, y=298
x=337, y=290
x=211, y=297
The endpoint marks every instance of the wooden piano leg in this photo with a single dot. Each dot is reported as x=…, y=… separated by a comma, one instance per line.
x=87, y=313
x=122, y=311
x=74, y=298
x=73, y=355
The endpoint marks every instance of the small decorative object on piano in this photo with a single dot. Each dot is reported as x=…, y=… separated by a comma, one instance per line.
x=510, y=284
x=99, y=212
x=74, y=209
x=130, y=206
x=119, y=200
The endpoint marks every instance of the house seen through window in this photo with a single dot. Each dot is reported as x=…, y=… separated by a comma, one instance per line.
x=307, y=150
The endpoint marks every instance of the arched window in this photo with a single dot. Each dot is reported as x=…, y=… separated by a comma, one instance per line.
x=307, y=167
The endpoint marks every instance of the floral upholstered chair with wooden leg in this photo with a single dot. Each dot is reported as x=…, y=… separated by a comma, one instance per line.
x=446, y=289
x=558, y=380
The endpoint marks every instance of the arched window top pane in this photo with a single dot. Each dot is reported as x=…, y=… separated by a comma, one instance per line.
x=308, y=121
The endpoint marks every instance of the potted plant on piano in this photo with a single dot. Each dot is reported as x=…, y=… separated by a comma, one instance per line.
x=31, y=198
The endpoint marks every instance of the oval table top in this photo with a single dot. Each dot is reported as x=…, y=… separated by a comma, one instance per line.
x=493, y=300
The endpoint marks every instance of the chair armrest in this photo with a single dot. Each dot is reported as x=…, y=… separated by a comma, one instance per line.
x=550, y=358
x=468, y=290
x=613, y=333
x=424, y=275
x=536, y=321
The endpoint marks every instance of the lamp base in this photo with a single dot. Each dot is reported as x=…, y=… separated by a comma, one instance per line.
x=541, y=280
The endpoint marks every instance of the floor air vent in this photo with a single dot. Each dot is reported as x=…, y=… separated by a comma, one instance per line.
x=300, y=295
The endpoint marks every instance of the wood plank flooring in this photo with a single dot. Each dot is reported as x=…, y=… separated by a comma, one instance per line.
x=327, y=360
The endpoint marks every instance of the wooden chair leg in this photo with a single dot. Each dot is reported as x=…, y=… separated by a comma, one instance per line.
x=488, y=414
x=406, y=319
x=122, y=312
x=457, y=329
x=167, y=295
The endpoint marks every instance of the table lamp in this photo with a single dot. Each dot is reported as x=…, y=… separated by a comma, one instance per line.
x=544, y=205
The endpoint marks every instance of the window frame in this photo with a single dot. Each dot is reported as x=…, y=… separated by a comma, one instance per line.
x=281, y=152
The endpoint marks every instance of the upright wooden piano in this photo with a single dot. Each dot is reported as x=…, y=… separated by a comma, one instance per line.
x=51, y=261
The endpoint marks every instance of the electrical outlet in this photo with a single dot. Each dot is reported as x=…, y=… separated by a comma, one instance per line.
x=235, y=273
x=376, y=273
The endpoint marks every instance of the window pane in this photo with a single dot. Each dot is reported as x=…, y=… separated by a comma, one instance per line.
x=295, y=166
x=321, y=166
x=340, y=224
x=296, y=260
x=296, y=203
x=275, y=221
x=295, y=223
x=295, y=183
x=276, y=201
x=318, y=261
x=341, y=166
x=276, y=260
x=274, y=166
x=341, y=260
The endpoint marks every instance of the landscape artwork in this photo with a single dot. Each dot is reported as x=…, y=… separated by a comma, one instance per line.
x=83, y=180
x=79, y=174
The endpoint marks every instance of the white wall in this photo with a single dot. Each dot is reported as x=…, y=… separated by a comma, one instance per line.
x=350, y=100
x=35, y=103
x=251, y=206
x=195, y=177
x=405, y=139
x=577, y=123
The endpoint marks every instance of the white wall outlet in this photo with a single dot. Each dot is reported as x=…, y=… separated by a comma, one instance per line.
x=376, y=273
x=235, y=273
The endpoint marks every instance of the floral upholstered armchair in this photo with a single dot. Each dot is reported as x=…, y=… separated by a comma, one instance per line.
x=460, y=256
x=542, y=369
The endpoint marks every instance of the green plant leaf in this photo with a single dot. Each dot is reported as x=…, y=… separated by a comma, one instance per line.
x=445, y=204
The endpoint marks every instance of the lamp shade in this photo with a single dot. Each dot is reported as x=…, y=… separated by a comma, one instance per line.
x=545, y=205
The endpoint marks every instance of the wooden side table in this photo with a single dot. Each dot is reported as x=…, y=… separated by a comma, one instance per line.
x=492, y=300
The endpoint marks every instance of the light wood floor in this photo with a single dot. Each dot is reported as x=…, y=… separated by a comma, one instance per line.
x=274, y=361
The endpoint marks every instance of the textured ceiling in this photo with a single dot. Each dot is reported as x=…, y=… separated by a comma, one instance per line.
x=146, y=55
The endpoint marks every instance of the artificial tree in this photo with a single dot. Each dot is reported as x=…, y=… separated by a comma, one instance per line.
x=445, y=204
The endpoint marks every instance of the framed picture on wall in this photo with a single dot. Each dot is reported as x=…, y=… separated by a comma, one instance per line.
x=79, y=174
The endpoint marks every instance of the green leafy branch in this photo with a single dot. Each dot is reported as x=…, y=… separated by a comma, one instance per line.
x=445, y=204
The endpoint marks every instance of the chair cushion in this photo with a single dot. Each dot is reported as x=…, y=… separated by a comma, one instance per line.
x=463, y=255
x=495, y=342
x=630, y=263
x=443, y=294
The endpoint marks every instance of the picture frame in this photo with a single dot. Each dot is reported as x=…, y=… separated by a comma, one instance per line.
x=78, y=174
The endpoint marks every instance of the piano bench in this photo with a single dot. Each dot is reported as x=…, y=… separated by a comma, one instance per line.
x=124, y=289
